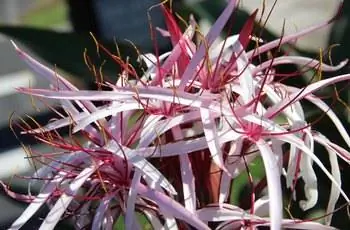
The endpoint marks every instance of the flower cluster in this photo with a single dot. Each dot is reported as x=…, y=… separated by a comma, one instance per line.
x=168, y=144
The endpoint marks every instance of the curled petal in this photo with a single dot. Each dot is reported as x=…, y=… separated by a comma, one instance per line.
x=62, y=203
x=303, y=61
x=39, y=201
x=302, y=93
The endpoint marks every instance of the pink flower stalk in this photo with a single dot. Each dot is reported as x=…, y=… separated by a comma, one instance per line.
x=168, y=144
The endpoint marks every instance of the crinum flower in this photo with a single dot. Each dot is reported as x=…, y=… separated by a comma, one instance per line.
x=167, y=144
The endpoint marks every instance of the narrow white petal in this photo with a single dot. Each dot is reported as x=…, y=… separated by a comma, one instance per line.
x=212, y=139
x=37, y=202
x=273, y=183
x=63, y=202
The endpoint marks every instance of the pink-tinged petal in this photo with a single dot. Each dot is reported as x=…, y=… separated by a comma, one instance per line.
x=307, y=225
x=246, y=78
x=49, y=74
x=154, y=176
x=159, y=94
x=131, y=201
x=232, y=162
x=224, y=49
x=40, y=199
x=187, y=177
x=334, y=194
x=109, y=219
x=308, y=174
x=175, y=37
x=302, y=93
x=44, y=71
x=173, y=28
x=152, y=132
x=63, y=202
x=273, y=183
x=141, y=163
x=286, y=224
x=293, y=140
x=276, y=146
x=269, y=125
x=171, y=206
x=104, y=113
x=214, y=32
x=341, y=152
x=293, y=163
x=73, y=112
x=151, y=60
x=175, y=55
x=188, y=185
x=57, y=124
x=149, y=128
x=52, y=76
x=100, y=212
x=330, y=113
x=83, y=119
x=55, y=79
x=310, y=179
x=73, y=95
x=118, y=123
x=294, y=112
x=229, y=225
x=184, y=147
x=211, y=136
x=218, y=214
x=55, y=165
x=14, y=195
x=245, y=33
x=173, y=149
x=296, y=60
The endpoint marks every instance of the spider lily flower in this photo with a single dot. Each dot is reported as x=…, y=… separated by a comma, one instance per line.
x=168, y=144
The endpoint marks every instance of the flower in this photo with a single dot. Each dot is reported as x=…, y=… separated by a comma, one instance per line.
x=168, y=144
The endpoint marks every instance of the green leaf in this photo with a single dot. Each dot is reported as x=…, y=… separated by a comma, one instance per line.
x=65, y=50
x=257, y=170
x=143, y=221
